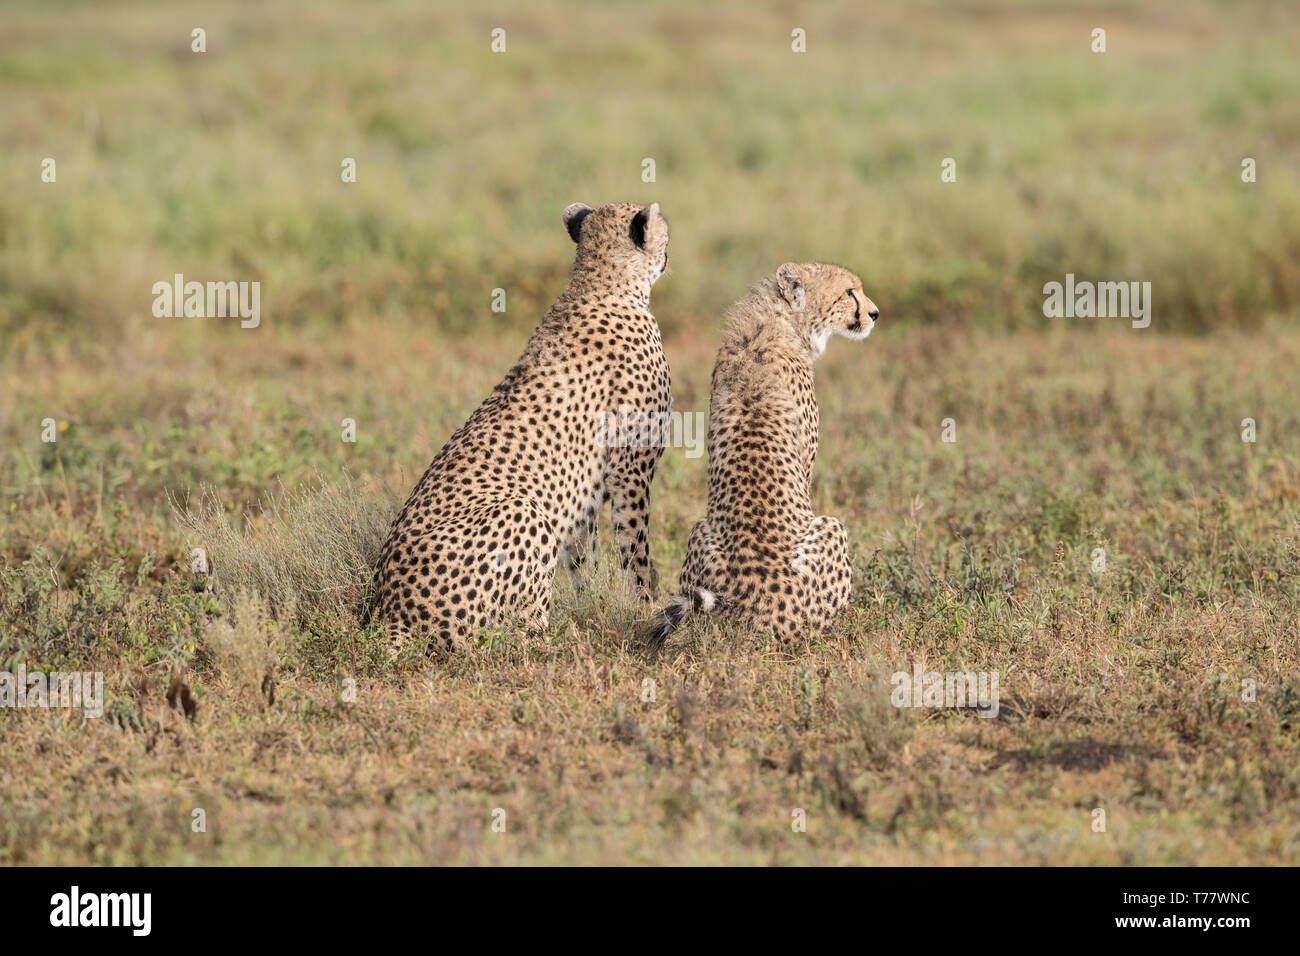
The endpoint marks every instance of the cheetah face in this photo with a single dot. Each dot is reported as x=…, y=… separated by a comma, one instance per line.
x=628, y=240
x=826, y=300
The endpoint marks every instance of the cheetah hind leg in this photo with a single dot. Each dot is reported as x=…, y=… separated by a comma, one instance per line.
x=506, y=553
x=397, y=634
x=521, y=577
x=823, y=556
x=439, y=637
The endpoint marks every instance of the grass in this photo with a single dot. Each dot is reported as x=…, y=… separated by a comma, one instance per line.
x=974, y=555
x=1163, y=689
x=1122, y=165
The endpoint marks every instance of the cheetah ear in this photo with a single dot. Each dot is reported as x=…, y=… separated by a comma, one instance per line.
x=574, y=213
x=790, y=283
x=649, y=229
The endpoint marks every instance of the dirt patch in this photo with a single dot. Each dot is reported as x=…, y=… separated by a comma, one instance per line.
x=1042, y=707
x=1085, y=754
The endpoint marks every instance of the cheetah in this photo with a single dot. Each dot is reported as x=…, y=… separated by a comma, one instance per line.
x=518, y=487
x=761, y=553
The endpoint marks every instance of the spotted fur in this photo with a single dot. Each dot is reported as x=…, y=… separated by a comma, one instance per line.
x=760, y=551
x=518, y=487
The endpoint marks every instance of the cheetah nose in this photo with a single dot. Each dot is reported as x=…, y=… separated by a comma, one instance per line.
x=873, y=314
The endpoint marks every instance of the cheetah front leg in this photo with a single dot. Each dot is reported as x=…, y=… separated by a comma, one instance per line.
x=630, y=510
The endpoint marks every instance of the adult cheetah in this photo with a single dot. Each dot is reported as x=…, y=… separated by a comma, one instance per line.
x=761, y=552
x=519, y=485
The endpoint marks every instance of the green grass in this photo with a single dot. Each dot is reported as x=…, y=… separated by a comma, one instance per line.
x=227, y=164
x=1121, y=690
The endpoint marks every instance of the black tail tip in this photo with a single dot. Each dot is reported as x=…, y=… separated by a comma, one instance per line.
x=656, y=633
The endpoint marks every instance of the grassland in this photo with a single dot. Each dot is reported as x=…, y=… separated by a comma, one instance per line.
x=1121, y=689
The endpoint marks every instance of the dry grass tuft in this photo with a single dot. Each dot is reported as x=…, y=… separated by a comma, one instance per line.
x=310, y=552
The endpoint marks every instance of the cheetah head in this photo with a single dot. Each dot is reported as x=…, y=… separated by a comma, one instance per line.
x=825, y=300
x=622, y=239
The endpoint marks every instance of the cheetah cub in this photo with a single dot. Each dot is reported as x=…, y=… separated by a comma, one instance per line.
x=519, y=485
x=760, y=552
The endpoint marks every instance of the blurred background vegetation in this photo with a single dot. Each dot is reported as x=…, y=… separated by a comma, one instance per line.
x=1122, y=165
x=377, y=295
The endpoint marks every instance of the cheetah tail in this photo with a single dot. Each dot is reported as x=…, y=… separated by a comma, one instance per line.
x=677, y=612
